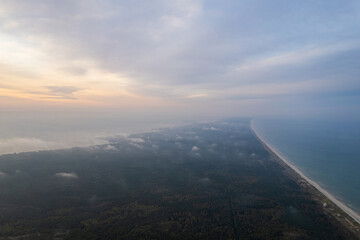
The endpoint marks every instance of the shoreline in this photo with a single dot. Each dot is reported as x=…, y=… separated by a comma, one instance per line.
x=355, y=216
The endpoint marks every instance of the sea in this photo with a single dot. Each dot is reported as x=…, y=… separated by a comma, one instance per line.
x=327, y=152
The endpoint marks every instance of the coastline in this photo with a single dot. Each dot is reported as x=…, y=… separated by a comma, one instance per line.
x=355, y=216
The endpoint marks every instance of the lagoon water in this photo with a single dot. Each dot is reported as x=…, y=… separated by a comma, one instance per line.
x=327, y=152
x=22, y=132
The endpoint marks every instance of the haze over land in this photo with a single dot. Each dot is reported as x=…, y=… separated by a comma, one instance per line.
x=203, y=181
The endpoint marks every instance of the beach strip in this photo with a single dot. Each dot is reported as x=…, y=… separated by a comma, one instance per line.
x=341, y=205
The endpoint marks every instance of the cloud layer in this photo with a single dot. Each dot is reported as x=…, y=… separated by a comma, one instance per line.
x=237, y=54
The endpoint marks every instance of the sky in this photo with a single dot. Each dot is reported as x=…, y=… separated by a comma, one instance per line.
x=181, y=58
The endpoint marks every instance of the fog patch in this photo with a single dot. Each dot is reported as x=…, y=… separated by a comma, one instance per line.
x=136, y=145
x=204, y=180
x=122, y=184
x=92, y=148
x=2, y=174
x=137, y=140
x=195, y=148
x=116, y=138
x=24, y=144
x=195, y=151
x=70, y=175
x=212, y=147
x=210, y=128
x=190, y=133
x=19, y=144
x=93, y=199
x=109, y=148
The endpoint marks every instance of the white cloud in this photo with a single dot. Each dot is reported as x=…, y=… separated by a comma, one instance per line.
x=24, y=144
x=19, y=144
x=210, y=128
x=69, y=175
x=136, y=145
x=137, y=140
x=195, y=152
x=195, y=148
x=301, y=56
x=109, y=148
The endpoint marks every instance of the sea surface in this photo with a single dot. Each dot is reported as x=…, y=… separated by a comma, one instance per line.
x=327, y=152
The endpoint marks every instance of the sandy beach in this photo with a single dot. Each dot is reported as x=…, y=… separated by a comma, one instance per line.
x=341, y=205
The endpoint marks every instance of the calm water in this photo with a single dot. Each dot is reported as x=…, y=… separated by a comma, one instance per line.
x=326, y=152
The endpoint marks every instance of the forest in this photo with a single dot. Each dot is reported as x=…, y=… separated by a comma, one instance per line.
x=201, y=181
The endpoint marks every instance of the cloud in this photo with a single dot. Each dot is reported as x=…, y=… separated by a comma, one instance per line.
x=195, y=148
x=195, y=152
x=2, y=174
x=75, y=70
x=210, y=128
x=63, y=89
x=137, y=140
x=181, y=52
x=60, y=92
x=69, y=175
x=204, y=180
x=136, y=145
x=19, y=144
x=24, y=144
x=109, y=148
x=55, y=92
x=302, y=56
